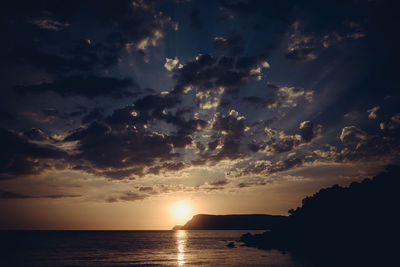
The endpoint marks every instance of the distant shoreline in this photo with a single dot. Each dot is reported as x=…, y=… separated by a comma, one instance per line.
x=232, y=222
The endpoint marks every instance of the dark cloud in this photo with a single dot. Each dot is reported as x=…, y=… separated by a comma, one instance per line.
x=121, y=174
x=156, y=103
x=13, y=195
x=80, y=110
x=232, y=124
x=95, y=115
x=373, y=112
x=359, y=145
x=18, y=157
x=55, y=196
x=392, y=124
x=124, y=145
x=127, y=196
x=242, y=185
x=233, y=44
x=35, y=134
x=106, y=147
x=212, y=76
x=282, y=145
x=47, y=115
x=90, y=87
x=152, y=108
x=229, y=131
x=286, y=164
x=146, y=188
x=309, y=131
x=351, y=135
x=219, y=183
x=127, y=26
x=145, y=110
x=166, y=167
x=301, y=54
x=287, y=97
x=266, y=168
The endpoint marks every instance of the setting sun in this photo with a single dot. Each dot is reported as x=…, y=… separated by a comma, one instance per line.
x=181, y=211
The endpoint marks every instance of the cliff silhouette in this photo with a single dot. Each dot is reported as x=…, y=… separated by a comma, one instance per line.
x=232, y=222
x=348, y=225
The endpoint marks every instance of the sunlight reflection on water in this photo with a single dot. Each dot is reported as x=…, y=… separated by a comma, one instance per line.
x=181, y=236
x=138, y=248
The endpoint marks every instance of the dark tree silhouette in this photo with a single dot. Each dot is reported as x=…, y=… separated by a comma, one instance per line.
x=349, y=225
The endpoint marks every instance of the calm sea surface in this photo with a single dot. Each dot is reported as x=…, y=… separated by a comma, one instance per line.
x=133, y=248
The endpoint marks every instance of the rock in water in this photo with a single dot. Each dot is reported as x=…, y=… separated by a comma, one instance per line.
x=231, y=245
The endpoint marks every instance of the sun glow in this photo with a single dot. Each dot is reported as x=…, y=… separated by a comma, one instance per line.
x=181, y=211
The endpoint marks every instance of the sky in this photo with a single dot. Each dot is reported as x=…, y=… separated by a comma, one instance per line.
x=112, y=113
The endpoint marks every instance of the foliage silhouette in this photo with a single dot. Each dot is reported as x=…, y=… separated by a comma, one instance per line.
x=348, y=225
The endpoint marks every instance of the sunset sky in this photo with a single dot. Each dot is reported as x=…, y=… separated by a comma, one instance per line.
x=114, y=112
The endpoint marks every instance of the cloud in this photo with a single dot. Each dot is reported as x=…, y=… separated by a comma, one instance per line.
x=283, y=97
x=95, y=115
x=233, y=44
x=140, y=25
x=301, y=54
x=225, y=143
x=309, y=131
x=127, y=196
x=125, y=145
x=278, y=142
x=49, y=24
x=13, y=195
x=219, y=183
x=372, y=112
x=306, y=42
x=120, y=174
x=166, y=167
x=211, y=76
x=393, y=123
x=35, y=134
x=302, y=47
x=47, y=115
x=146, y=188
x=351, y=135
x=112, y=148
x=281, y=142
x=90, y=87
x=286, y=97
x=267, y=168
x=18, y=157
x=170, y=63
x=127, y=26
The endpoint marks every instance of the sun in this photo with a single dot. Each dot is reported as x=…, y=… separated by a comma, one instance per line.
x=181, y=211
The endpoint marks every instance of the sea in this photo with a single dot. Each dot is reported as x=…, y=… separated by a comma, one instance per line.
x=135, y=248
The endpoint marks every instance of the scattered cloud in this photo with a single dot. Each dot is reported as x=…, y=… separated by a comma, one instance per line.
x=170, y=63
x=13, y=195
x=373, y=112
x=49, y=24
x=19, y=157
